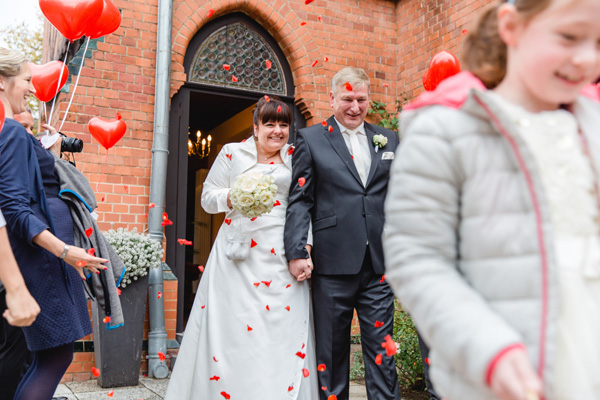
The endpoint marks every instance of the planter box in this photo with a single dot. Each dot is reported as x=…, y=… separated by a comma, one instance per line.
x=118, y=352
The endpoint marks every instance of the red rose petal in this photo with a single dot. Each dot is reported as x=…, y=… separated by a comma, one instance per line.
x=166, y=222
x=151, y=205
x=210, y=13
x=161, y=356
x=267, y=100
x=305, y=372
x=253, y=243
x=464, y=32
x=382, y=279
x=203, y=306
x=91, y=251
x=378, y=359
x=287, y=308
x=253, y=219
x=320, y=18
x=95, y=372
x=277, y=203
x=249, y=328
x=273, y=251
x=106, y=319
x=326, y=59
x=386, y=85
x=267, y=283
x=126, y=189
x=215, y=378
x=302, y=23
x=330, y=128
x=110, y=393
x=89, y=231
x=301, y=181
x=389, y=346
x=228, y=156
x=102, y=198
x=324, y=123
x=257, y=284
x=306, y=2
x=268, y=309
x=224, y=394
x=226, y=67
x=234, y=78
x=81, y=263
x=321, y=367
x=290, y=388
x=201, y=268
x=348, y=86
x=427, y=361
x=278, y=109
x=118, y=291
x=288, y=285
x=159, y=295
x=215, y=360
x=301, y=355
x=227, y=221
x=315, y=62
x=303, y=345
x=379, y=324
x=181, y=241
x=332, y=397
x=291, y=150
x=324, y=388
x=268, y=64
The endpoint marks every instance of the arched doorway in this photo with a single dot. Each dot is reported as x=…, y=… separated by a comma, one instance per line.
x=214, y=103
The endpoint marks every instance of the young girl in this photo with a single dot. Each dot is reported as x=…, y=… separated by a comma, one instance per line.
x=492, y=218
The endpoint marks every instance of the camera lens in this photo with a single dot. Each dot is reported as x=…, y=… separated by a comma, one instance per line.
x=71, y=145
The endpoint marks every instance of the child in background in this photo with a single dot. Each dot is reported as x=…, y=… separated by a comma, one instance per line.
x=492, y=217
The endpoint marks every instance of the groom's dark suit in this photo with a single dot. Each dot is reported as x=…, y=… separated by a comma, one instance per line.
x=347, y=225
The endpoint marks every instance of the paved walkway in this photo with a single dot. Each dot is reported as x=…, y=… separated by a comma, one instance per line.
x=148, y=389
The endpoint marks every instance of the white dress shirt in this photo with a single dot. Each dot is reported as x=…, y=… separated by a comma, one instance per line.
x=363, y=142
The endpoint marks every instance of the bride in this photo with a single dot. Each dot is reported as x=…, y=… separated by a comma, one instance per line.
x=249, y=335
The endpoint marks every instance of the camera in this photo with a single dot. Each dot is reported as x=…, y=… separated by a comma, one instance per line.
x=70, y=145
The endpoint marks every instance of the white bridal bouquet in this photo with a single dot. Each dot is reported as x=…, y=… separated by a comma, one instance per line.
x=137, y=251
x=253, y=194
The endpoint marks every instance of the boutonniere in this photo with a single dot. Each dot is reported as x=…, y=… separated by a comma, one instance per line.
x=379, y=141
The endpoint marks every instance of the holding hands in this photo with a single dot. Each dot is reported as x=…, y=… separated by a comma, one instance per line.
x=302, y=268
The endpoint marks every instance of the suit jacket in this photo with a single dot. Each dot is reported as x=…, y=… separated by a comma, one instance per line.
x=345, y=214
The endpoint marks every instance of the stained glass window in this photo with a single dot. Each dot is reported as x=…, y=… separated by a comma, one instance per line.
x=248, y=56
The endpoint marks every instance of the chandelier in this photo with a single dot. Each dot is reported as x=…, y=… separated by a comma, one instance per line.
x=200, y=147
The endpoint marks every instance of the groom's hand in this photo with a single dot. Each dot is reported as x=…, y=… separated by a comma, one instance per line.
x=301, y=268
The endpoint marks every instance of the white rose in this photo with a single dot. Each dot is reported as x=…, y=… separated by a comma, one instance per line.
x=266, y=198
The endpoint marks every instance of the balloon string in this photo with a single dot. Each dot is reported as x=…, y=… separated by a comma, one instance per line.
x=87, y=42
x=62, y=69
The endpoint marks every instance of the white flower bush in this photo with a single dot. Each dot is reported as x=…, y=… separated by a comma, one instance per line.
x=253, y=194
x=137, y=251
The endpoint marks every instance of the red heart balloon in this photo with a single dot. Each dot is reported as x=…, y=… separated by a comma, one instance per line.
x=107, y=132
x=45, y=79
x=109, y=21
x=1, y=115
x=72, y=17
x=427, y=81
x=443, y=65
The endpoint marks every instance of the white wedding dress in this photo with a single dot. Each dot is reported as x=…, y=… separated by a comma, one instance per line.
x=249, y=335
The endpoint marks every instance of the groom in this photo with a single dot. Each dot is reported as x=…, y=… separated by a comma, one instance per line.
x=339, y=182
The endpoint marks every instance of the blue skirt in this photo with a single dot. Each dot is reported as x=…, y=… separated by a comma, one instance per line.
x=58, y=289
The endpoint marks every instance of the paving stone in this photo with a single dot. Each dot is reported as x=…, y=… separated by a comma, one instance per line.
x=128, y=393
x=158, y=386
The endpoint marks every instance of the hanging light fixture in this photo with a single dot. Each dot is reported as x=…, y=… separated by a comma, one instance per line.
x=200, y=147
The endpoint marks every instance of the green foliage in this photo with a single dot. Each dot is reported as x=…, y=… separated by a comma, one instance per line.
x=27, y=40
x=379, y=113
x=408, y=358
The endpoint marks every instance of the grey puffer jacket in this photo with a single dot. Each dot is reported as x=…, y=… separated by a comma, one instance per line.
x=468, y=241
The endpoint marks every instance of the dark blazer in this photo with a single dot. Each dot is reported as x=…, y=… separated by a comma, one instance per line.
x=344, y=213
